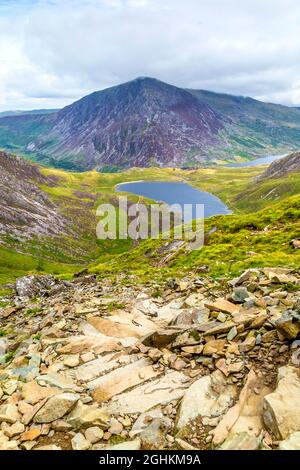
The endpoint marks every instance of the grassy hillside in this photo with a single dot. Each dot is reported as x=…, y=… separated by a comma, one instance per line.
x=240, y=242
x=265, y=220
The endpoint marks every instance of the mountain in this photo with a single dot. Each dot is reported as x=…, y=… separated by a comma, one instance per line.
x=146, y=122
x=282, y=167
x=260, y=128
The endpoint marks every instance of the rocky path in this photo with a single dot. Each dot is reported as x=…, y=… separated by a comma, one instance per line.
x=203, y=364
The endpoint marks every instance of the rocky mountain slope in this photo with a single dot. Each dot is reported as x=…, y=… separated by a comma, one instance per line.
x=25, y=210
x=39, y=226
x=282, y=167
x=146, y=122
x=206, y=365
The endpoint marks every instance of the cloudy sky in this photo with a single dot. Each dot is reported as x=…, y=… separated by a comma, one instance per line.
x=53, y=52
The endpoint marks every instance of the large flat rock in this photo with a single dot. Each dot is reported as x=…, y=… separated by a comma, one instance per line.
x=210, y=396
x=282, y=407
x=96, y=368
x=161, y=391
x=122, y=379
x=118, y=329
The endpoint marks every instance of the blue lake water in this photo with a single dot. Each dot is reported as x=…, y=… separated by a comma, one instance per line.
x=259, y=161
x=177, y=193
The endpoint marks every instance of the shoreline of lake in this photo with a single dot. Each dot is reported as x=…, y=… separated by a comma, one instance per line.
x=180, y=193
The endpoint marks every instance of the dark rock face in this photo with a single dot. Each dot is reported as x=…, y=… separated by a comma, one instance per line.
x=25, y=210
x=135, y=124
x=281, y=167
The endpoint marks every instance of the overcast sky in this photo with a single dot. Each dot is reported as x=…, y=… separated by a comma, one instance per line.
x=53, y=52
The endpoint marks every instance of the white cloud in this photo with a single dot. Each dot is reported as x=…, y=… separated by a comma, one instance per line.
x=54, y=52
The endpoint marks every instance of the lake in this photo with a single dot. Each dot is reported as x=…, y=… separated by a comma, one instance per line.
x=258, y=161
x=177, y=193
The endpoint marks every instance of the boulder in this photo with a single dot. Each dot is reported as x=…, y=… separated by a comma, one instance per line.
x=153, y=437
x=79, y=442
x=86, y=416
x=289, y=324
x=56, y=407
x=240, y=295
x=282, y=407
x=242, y=424
x=210, y=396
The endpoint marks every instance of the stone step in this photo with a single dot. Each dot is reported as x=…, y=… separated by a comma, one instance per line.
x=161, y=391
x=122, y=379
x=93, y=369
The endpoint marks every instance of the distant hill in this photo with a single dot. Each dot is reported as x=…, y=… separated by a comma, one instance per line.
x=33, y=111
x=146, y=122
x=282, y=167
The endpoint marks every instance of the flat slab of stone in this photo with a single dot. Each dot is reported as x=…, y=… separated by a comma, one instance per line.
x=245, y=417
x=210, y=396
x=117, y=330
x=282, y=407
x=121, y=379
x=94, y=369
x=32, y=392
x=162, y=391
x=82, y=343
x=222, y=305
x=136, y=317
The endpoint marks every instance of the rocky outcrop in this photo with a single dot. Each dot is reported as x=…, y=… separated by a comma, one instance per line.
x=282, y=167
x=193, y=369
x=26, y=211
x=282, y=407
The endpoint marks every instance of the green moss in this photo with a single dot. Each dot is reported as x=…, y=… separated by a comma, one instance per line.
x=115, y=306
x=33, y=312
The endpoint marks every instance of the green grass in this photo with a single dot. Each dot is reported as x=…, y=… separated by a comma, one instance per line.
x=240, y=242
x=266, y=217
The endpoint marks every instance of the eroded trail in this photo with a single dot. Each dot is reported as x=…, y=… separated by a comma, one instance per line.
x=206, y=364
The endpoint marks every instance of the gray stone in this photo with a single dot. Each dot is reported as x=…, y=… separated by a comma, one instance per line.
x=240, y=295
x=210, y=396
x=79, y=442
x=56, y=407
x=87, y=416
x=128, y=445
x=153, y=437
x=289, y=324
x=241, y=441
x=94, y=434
